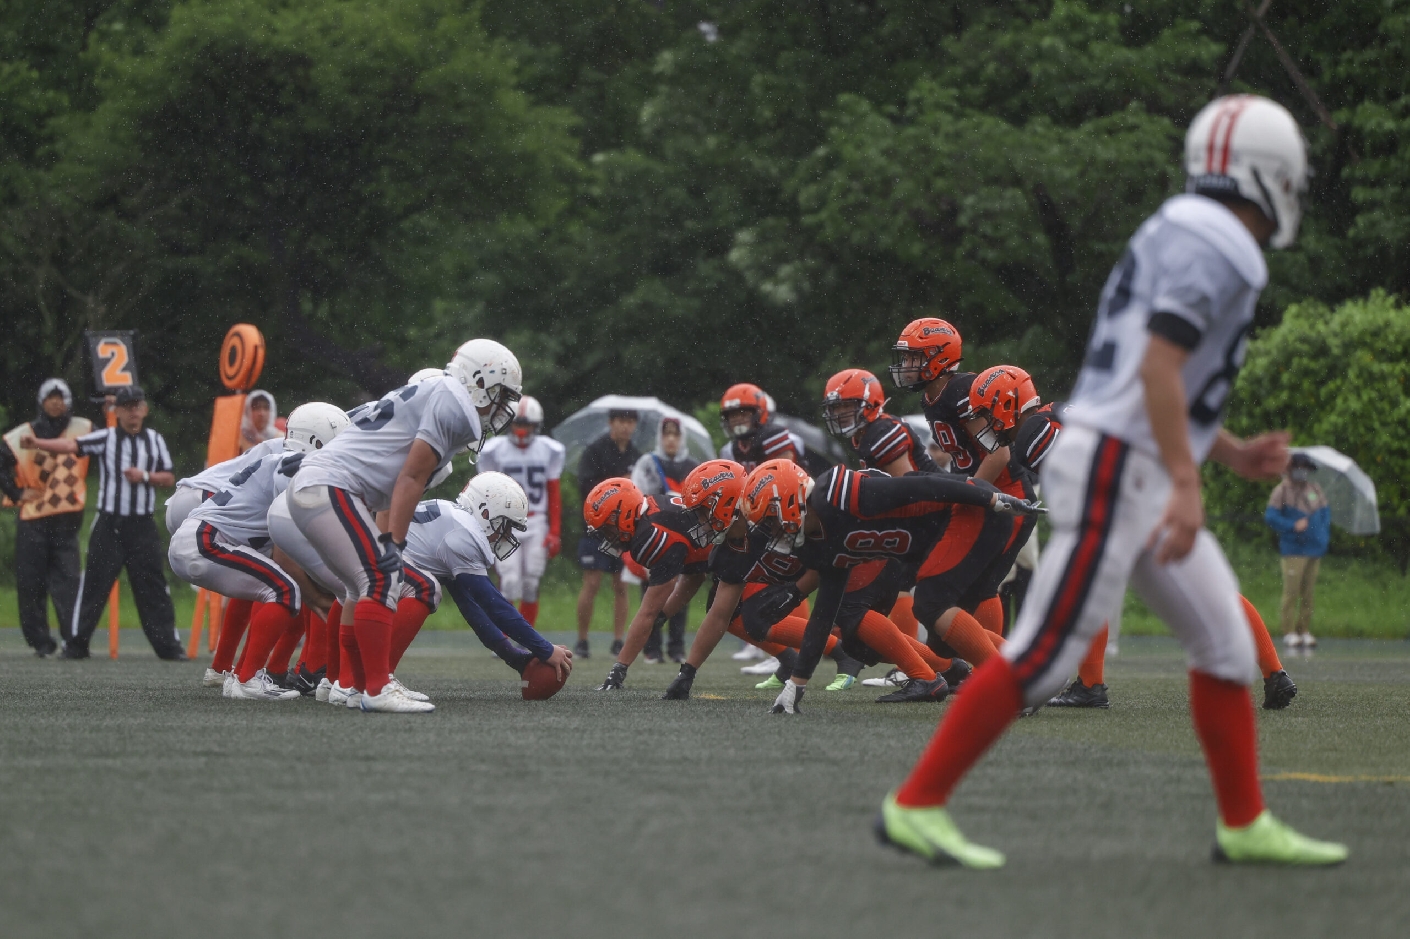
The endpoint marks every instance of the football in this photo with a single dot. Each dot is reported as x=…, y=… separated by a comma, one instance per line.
x=540, y=681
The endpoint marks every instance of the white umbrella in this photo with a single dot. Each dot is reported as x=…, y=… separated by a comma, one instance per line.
x=1350, y=492
x=584, y=426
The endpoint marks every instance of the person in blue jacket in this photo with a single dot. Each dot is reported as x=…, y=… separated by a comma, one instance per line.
x=1298, y=512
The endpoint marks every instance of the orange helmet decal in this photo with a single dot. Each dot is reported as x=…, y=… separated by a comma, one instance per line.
x=618, y=503
x=716, y=485
x=926, y=349
x=1000, y=395
x=744, y=397
x=852, y=399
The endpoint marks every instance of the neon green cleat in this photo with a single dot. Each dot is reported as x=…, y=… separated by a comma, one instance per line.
x=770, y=684
x=1268, y=841
x=842, y=682
x=931, y=834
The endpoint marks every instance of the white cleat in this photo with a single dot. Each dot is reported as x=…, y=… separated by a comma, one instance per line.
x=354, y=699
x=413, y=695
x=213, y=679
x=229, y=682
x=260, y=688
x=766, y=667
x=393, y=700
x=748, y=654
x=1293, y=640
x=892, y=679
x=321, y=692
x=338, y=695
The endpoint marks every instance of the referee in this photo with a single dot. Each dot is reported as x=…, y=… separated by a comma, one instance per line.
x=132, y=461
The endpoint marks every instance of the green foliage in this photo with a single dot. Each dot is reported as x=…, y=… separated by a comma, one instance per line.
x=1335, y=377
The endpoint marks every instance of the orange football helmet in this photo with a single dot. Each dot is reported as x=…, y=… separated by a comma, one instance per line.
x=999, y=396
x=744, y=398
x=851, y=400
x=712, y=491
x=611, y=512
x=926, y=349
x=775, y=500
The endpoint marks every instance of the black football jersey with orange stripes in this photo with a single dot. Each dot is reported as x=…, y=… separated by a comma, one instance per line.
x=750, y=561
x=772, y=442
x=1036, y=436
x=664, y=545
x=947, y=415
x=885, y=440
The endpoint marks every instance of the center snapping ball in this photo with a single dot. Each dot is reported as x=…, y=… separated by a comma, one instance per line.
x=540, y=681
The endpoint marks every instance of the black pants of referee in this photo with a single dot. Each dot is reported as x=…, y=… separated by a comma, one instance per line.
x=46, y=568
x=130, y=541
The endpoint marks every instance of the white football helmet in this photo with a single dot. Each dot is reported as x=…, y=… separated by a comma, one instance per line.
x=425, y=373
x=499, y=505
x=313, y=426
x=528, y=418
x=1249, y=146
x=491, y=374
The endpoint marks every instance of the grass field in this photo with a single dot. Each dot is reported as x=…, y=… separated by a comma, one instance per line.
x=137, y=804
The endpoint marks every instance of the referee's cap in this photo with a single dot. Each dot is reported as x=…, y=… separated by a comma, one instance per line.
x=131, y=394
x=56, y=386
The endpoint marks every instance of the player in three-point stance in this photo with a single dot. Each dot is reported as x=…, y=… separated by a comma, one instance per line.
x=535, y=462
x=383, y=463
x=1124, y=483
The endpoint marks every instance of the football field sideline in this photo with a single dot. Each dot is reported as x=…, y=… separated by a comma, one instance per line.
x=135, y=803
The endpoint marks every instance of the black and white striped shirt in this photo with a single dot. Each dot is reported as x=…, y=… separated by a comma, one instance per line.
x=115, y=451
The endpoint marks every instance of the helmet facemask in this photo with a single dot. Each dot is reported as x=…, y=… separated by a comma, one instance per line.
x=501, y=536
x=843, y=417
x=523, y=432
x=735, y=430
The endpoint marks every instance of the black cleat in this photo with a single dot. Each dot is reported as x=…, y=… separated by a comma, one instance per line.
x=615, y=678
x=282, y=679
x=581, y=650
x=917, y=690
x=957, y=674
x=306, y=682
x=1278, y=691
x=679, y=689
x=73, y=650
x=616, y=647
x=1079, y=695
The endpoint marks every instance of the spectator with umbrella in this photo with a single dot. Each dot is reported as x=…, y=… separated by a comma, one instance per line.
x=1299, y=513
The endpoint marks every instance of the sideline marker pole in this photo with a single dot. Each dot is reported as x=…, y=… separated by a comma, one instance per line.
x=114, y=597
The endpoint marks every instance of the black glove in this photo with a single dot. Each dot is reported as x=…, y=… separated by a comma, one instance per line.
x=390, y=562
x=615, y=677
x=777, y=602
x=1005, y=503
x=680, y=685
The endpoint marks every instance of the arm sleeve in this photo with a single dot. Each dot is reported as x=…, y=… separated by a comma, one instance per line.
x=503, y=615
x=92, y=444
x=825, y=606
x=915, y=494
x=555, y=509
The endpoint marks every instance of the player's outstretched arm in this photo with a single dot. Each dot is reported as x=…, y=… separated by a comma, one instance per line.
x=1166, y=409
x=715, y=624
x=1261, y=457
x=919, y=494
x=492, y=617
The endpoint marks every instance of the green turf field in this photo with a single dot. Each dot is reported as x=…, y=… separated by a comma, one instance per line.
x=135, y=803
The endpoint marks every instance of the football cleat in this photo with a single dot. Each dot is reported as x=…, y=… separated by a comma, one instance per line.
x=652, y=658
x=282, y=680
x=581, y=650
x=748, y=653
x=1078, y=695
x=1278, y=691
x=1268, y=841
x=957, y=674
x=213, y=679
x=338, y=694
x=842, y=682
x=892, y=679
x=917, y=689
x=772, y=683
x=306, y=682
x=615, y=677
x=616, y=647
x=930, y=833
x=679, y=689
x=321, y=692
x=392, y=700
x=260, y=688
x=766, y=667
x=413, y=695
x=788, y=699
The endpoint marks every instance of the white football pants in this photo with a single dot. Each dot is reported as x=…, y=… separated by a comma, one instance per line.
x=344, y=533
x=199, y=554
x=520, y=573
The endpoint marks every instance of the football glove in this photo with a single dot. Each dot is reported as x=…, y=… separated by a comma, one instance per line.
x=1005, y=503
x=615, y=678
x=788, y=699
x=552, y=544
x=777, y=602
x=680, y=685
x=389, y=562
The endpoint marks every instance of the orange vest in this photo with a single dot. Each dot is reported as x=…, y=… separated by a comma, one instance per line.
x=60, y=476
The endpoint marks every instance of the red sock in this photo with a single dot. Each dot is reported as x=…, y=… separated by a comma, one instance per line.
x=268, y=624
x=232, y=630
x=411, y=613
x=334, y=645
x=1268, y=661
x=529, y=609
x=903, y=615
x=1092, y=671
x=352, y=658
x=973, y=642
x=990, y=614
x=1223, y=716
x=979, y=715
x=315, y=654
x=283, y=650
x=374, y=641
x=240, y=662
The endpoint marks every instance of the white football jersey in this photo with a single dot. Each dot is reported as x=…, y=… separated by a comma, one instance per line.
x=445, y=540
x=366, y=458
x=532, y=467
x=1192, y=274
x=214, y=478
x=240, y=510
